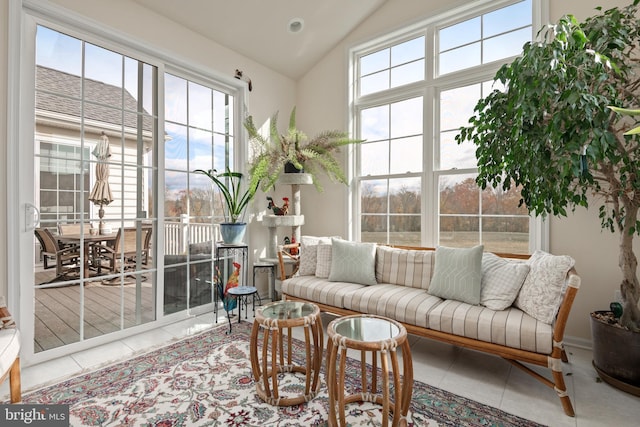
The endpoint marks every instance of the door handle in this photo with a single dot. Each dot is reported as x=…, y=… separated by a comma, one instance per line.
x=31, y=217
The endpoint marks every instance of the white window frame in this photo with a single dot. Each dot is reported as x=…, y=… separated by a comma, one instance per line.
x=429, y=88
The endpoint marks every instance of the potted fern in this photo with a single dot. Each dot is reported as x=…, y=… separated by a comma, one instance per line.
x=236, y=200
x=275, y=152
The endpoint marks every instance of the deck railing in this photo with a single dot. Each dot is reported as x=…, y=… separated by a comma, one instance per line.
x=178, y=235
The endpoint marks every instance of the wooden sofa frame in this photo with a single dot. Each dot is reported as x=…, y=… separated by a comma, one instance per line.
x=517, y=357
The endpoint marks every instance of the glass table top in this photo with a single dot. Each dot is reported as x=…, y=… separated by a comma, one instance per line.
x=288, y=310
x=242, y=290
x=367, y=329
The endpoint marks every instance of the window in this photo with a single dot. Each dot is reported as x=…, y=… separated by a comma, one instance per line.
x=414, y=185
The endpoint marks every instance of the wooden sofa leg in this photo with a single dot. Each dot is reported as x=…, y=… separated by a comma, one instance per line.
x=557, y=384
x=561, y=388
x=14, y=382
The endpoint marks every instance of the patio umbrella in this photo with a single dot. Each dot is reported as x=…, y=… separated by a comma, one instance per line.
x=101, y=193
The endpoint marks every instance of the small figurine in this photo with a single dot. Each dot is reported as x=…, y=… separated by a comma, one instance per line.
x=276, y=210
x=293, y=250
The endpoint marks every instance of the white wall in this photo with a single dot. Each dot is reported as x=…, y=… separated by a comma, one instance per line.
x=322, y=104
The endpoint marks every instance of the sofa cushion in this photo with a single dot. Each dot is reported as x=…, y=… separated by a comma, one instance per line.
x=404, y=267
x=402, y=303
x=353, y=262
x=308, y=254
x=511, y=327
x=323, y=267
x=541, y=293
x=501, y=281
x=318, y=290
x=457, y=274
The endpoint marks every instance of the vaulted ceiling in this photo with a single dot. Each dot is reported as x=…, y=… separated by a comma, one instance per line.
x=260, y=29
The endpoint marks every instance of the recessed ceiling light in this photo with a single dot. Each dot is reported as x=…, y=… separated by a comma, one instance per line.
x=296, y=25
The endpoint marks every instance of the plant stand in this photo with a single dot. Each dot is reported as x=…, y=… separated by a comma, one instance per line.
x=295, y=221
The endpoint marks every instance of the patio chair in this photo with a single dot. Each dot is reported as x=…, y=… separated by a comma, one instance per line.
x=9, y=352
x=66, y=258
x=125, y=248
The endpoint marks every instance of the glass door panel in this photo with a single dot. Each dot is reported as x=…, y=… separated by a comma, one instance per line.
x=95, y=185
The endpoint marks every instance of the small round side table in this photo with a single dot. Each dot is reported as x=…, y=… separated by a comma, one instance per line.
x=273, y=319
x=378, y=336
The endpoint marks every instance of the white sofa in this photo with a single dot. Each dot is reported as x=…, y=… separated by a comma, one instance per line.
x=401, y=291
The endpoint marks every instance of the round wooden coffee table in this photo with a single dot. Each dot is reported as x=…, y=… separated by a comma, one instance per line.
x=378, y=336
x=273, y=319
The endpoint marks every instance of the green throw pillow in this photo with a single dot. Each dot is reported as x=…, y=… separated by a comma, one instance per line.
x=457, y=274
x=353, y=262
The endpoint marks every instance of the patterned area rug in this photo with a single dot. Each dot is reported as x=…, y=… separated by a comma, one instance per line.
x=205, y=380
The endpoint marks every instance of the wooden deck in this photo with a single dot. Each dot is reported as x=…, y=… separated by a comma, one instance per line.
x=57, y=312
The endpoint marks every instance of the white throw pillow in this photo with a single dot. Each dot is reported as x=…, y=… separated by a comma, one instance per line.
x=541, y=292
x=323, y=267
x=353, y=262
x=457, y=274
x=501, y=281
x=308, y=254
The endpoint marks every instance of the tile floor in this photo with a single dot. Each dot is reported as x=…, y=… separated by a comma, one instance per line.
x=484, y=378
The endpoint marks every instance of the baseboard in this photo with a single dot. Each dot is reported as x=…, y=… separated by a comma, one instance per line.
x=578, y=342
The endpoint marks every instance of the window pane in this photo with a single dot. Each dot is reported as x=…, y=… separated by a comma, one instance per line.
x=408, y=73
x=200, y=149
x=459, y=231
x=175, y=194
x=374, y=158
x=374, y=123
x=200, y=196
x=459, y=59
x=499, y=201
x=506, y=234
x=58, y=51
x=200, y=107
x=407, y=51
x=454, y=155
x=404, y=195
x=222, y=109
x=456, y=106
x=175, y=147
x=459, y=34
x=103, y=75
x=459, y=194
x=373, y=228
x=406, y=155
x=373, y=196
x=175, y=99
x=374, y=82
x=506, y=45
x=405, y=230
x=507, y=18
x=406, y=118
x=373, y=62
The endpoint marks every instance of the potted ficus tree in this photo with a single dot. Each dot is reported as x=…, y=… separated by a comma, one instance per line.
x=295, y=150
x=236, y=199
x=551, y=133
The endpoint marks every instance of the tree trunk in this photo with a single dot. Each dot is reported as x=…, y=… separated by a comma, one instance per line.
x=629, y=265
